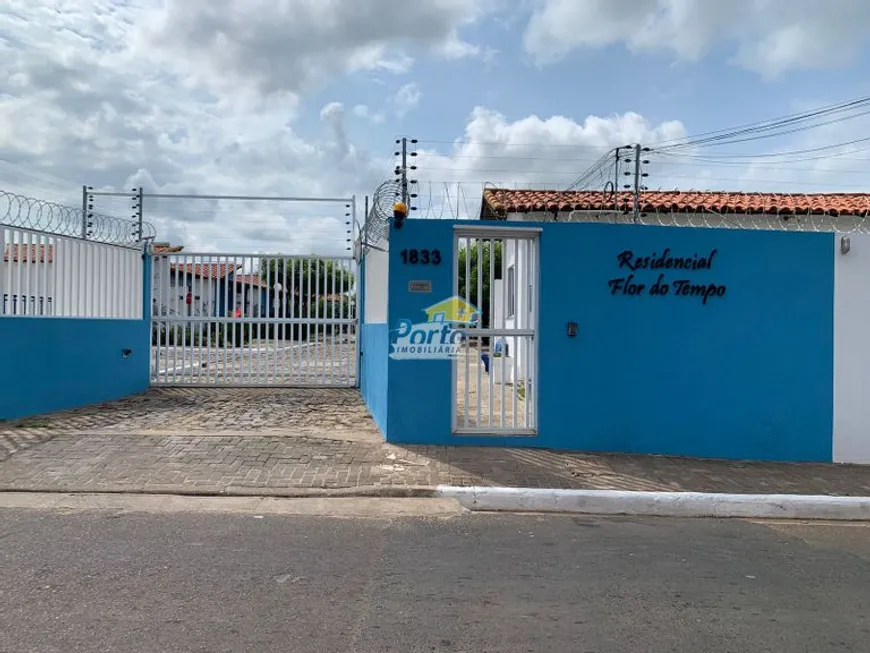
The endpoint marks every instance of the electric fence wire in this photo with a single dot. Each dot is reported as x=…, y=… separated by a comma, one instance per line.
x=597, y=175
x=772, y=128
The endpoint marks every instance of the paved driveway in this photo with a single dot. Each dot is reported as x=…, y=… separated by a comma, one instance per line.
x=189, y=411
x=326, y=361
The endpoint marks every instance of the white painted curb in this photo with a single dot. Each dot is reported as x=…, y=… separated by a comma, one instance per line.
x=659, y=504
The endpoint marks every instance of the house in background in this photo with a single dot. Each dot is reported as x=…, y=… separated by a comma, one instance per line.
x=195, y=289
x=194, y=286
x=203, y=289
x=28, y=280
x=250, y=296
x=782, y=211
x=191, y=289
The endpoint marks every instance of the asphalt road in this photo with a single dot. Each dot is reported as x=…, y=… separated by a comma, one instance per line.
x=136, y=582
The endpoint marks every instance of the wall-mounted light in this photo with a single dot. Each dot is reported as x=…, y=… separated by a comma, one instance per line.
x=125, y=353
x=845, y=245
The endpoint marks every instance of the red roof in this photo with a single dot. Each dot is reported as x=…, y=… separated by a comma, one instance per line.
x=250, y=280
x=165, y=248
x=205, y=270
x=25, y=254
x=498, y=201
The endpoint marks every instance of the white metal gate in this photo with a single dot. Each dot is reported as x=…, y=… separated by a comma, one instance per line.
x=494, y=378
x=253, y=320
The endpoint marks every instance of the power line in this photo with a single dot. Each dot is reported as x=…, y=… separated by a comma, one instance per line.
x=771, y=155
x=605, y=170
x=714, y=165
x=508, y=158
x=769, y=125
x=574, y=146
x=527, y=184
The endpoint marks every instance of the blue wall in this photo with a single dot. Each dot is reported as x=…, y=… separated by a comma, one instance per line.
x=374, y=352
x=54, y=364
x=419, y=392
x=747, y=376
x=59, y=363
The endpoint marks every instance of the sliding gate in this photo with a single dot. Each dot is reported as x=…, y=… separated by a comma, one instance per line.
x=251, y=320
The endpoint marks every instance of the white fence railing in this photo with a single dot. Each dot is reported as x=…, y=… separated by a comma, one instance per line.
x=45, y=275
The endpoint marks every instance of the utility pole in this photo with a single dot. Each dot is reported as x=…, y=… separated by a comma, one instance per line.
x=86, y=207
x=404, y=194
x=638, y=175
x=617, y=153
x=404, y=164
x=636, y=182
x=138, y=211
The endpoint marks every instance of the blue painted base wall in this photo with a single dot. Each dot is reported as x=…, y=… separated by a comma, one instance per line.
x=745, y=376
x=375, y=347
x=57, y=363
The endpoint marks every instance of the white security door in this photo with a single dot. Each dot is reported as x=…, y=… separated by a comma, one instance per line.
x=494, y=376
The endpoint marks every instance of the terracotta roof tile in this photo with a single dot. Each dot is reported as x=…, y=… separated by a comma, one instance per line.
x=163, y=248
x=250, y=280
x=24, y=254
x=205, y=270
x=498, y=201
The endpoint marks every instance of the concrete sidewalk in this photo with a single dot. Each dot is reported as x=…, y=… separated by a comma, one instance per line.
x=291, y=442
x=248, y=463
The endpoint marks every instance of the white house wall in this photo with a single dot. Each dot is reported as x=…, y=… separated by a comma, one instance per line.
x=851, y=353
x=169, y=292
x=497, y=318
x=522, y=317
x=376, y=280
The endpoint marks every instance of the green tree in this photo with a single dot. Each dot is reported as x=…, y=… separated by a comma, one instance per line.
x=314, y=287
x=479, y=251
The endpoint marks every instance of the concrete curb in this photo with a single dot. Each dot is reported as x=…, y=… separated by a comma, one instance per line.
x=659, y=504
x=504, y=499
x=371, y=491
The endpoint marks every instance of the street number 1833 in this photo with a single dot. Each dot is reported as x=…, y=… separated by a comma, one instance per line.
x=421, y=256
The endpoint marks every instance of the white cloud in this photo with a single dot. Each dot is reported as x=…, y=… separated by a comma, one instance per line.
x=553, y=152
x=533, y=152
x=295, y=45
x=205, y=97
x=407, y=97
x=771, y=37
x=202, y=96
x=363, y=111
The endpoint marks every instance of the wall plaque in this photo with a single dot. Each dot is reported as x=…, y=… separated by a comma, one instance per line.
x=419, y=286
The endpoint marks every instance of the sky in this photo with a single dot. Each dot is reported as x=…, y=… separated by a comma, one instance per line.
x=306, y=98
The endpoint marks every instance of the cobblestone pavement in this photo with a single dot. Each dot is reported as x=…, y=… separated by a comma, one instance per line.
x=271, y=441
x=297, y=411
x=269, y=464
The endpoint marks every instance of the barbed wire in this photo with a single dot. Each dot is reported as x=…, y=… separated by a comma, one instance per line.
x=821, y=222
x=380, y=212
x=438, y=205
x=40, y=215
